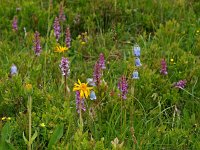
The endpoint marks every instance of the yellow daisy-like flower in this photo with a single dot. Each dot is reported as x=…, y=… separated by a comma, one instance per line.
x=61, y=49
x=82, y=88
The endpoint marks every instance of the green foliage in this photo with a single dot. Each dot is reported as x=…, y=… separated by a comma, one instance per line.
x=57, y=134
x=6, y=133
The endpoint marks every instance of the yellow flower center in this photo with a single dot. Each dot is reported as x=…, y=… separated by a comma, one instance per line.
x=83, y=87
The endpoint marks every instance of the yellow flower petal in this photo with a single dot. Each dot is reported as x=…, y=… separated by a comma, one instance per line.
x=76, y=89
x=79, y=81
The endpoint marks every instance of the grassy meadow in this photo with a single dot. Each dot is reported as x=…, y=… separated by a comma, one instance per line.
x=99, y=74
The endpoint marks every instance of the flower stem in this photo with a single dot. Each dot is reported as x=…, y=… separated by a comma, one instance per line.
x=29, y=121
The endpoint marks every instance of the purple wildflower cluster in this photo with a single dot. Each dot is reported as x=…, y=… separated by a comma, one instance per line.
x=97, y=73
x=123, y=87
x=180, y=84
x=14, y=24
x=163, y=70
x=80, y=105
x=57, y=28
x=64, y=66
x=102, y=61
x=68, y=38
x=99, y=66
x=37, y=46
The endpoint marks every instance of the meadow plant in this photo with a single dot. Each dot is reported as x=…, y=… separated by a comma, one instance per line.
x=65, y=69
x=62, y=17
x=123, y=87
x=14, y=24
x=64, y=66
x=180, y=84
x=37, y=46
x=57, y=29
x=163, y=70
x=97, y=73
x=80, y=105
x=102, y=61
x=68, y=38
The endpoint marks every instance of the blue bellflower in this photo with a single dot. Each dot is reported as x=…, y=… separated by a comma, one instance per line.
x=93, y=95
x=135, y=75
x=137, y=62
x=136, y=50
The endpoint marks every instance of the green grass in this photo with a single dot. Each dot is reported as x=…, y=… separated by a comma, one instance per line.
x=155, y=115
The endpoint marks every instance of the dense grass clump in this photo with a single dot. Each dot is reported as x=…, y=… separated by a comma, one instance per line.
x=104, y=74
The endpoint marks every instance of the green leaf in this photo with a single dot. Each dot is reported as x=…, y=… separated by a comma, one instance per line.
x=6, y=131
x=25, y=140
x=57, y=134
x=34, y=136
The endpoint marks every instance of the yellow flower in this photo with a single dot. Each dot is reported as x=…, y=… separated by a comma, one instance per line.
x=42, y=125
x=61, y=49
x=4, y=118
x=171, y=59
x=83, y=43
x=9, y=118
x=28, y=87
x=82, y=88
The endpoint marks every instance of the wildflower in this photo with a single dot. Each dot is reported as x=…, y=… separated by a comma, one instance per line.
x=14, y=24
x=180, y=84
x=92, y=95
x=56, y=27
x=137, y=62
x=163, y=70
x=135, y=75
x=123, y=87
x=82, y=88
x=61, y=14
x=3, y=118
x=116, y=145
x=9, y=118
x=80, y=105
x=83, y=38
x=42, y=125
x=83, y=43
x=90, y=81
x=97, y=73
x=136, y=50
x=37, y=47
x=60, y=49
x=13, y=70
x=172, y=60
x=68, y=38
x=28, y=87
x=64, y=66
x=102, y=61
